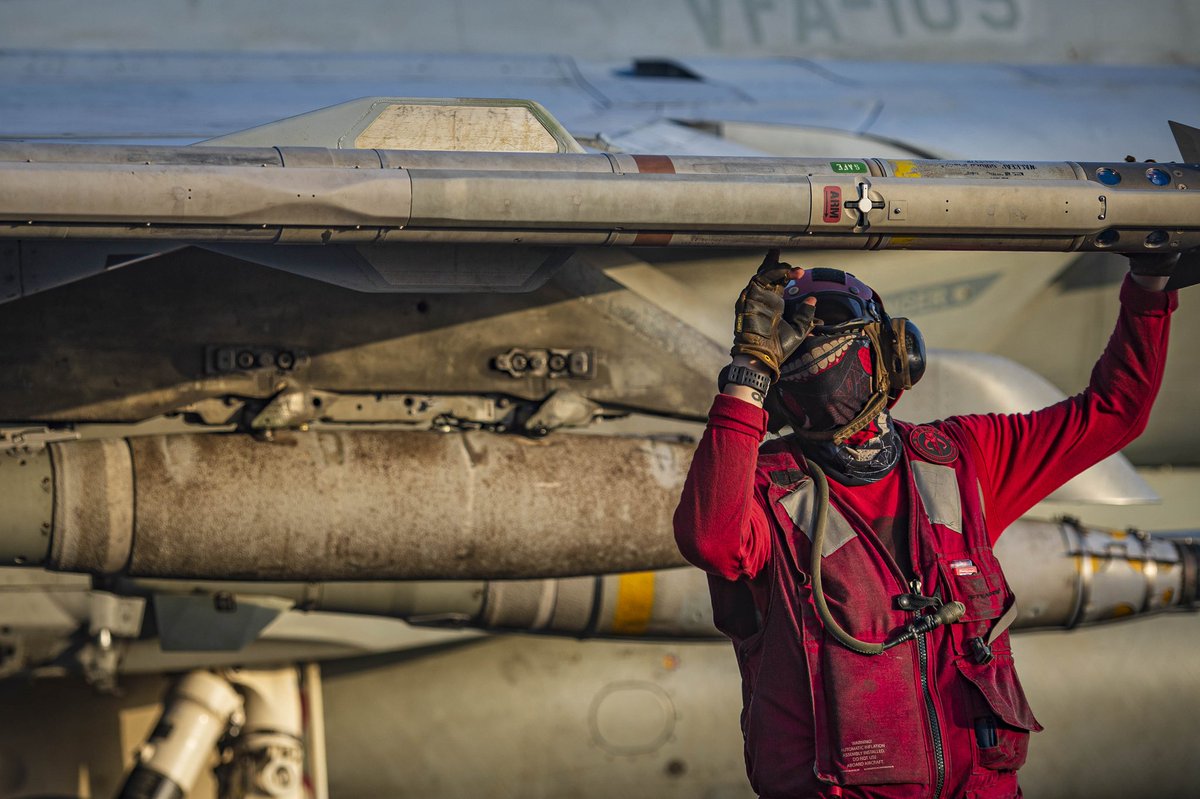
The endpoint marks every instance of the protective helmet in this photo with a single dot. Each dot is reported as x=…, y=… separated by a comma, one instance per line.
x=846, y=304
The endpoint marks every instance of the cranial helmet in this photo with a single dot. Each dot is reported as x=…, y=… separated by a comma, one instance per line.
x=847, y=306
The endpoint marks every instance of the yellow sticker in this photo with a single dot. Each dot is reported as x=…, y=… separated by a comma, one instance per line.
x=906, y=169
x=635, y=602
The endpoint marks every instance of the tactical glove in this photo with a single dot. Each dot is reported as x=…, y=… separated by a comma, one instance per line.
x=1153, y=264
x=760, y=330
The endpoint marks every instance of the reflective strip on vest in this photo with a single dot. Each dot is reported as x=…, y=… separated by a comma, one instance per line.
x=799, y=504
x=938, y=489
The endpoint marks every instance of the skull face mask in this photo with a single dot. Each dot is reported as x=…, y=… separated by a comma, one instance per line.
x=826, y=385
x=828, y=381
x=835, y=388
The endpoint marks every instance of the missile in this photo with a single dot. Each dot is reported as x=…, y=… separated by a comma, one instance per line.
x=512, y=531
x=317, y=196
x=1064, y=575
x=343, y=506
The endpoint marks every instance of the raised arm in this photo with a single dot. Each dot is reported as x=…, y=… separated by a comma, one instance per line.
x=1022, y=458
x=718, y=525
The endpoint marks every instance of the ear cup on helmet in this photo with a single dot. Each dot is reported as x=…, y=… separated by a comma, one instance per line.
x=907, y=361
x=914, y=344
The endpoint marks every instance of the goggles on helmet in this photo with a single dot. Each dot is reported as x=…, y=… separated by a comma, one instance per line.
x=837, y=312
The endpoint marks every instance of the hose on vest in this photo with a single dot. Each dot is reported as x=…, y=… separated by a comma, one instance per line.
x=946, y=614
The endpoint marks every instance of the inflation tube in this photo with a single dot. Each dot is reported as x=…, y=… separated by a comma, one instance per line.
x=947, y=614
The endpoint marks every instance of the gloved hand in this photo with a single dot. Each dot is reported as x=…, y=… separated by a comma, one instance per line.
x=1153, y=264
x=760, y=330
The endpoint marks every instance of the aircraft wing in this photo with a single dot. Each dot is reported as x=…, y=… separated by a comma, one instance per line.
x=185, y=424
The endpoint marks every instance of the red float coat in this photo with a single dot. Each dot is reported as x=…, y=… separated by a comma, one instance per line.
x=821, y=720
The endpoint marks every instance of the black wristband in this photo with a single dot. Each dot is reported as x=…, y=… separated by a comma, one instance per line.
x=743, y=376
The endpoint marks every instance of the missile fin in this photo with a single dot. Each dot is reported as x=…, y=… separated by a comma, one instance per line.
x=422, y=123
x=1188, y=139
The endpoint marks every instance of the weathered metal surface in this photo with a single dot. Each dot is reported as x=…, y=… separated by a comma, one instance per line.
x=93, y=505
x=482, y=506
x=26, y=496
x=1065, y=575
x=489, y=196
x=75, y=355
x=421, y=123
x=668, y=604
x=339, y=506
x=488, y=199
x=179, y=196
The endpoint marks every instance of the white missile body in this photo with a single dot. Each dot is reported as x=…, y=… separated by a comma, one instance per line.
x=325, y=196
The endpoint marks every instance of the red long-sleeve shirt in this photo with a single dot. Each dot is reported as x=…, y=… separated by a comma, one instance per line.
x=1021, y=458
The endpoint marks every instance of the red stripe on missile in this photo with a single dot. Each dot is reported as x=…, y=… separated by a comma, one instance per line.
x=652, y=239
x=655, y=164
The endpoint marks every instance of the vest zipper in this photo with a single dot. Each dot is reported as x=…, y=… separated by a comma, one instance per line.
x=935, y=729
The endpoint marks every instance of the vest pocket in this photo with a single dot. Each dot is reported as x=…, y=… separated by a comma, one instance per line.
x=869, y=728
x=1002, y=718
x=1005, y=747
x=974, y=580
